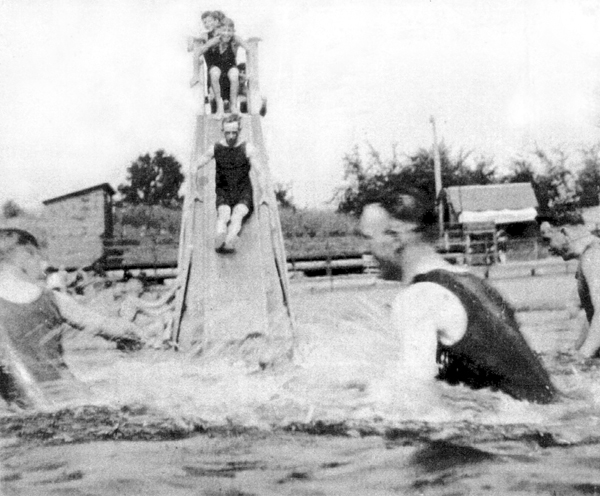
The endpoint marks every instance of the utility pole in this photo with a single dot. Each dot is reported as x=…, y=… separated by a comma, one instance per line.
x=437, y=168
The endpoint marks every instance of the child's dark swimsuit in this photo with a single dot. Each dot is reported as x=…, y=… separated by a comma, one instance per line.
x=232, y=178
x=224, y=61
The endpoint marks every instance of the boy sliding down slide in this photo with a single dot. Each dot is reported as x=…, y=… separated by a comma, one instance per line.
x=233, y=159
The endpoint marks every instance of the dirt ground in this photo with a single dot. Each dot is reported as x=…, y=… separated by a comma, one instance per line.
x=333, y=422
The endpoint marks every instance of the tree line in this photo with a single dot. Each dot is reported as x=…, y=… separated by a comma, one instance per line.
x=157, y=180
x=561, y=191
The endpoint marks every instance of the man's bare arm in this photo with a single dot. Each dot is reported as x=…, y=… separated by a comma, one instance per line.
x=240, y=42
x=252, y=155
x=101, y=325
x=194, y=42
x=206, y=158
x=590, y=267
x=207, y=46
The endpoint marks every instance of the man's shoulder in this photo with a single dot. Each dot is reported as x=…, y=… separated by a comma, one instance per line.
x=250, y=148
x=590, y=258
x=16, y=290
x=592, y=251
x=430, y=294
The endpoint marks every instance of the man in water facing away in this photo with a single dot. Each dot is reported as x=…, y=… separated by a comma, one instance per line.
x=451, y=324
x=575, y=241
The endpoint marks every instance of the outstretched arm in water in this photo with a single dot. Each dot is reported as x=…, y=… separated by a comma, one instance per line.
x=110, y=328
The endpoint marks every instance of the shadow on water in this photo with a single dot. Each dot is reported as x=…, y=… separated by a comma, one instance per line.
x=442, y=455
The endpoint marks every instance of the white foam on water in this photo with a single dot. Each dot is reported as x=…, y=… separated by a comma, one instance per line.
x=344, y=370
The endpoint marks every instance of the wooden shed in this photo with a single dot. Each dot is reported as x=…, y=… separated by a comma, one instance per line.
x=493, y=204
x=480, y=219
x=77, y=224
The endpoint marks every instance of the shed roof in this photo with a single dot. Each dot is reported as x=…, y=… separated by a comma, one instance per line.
x=104, y=186
x=481, y=198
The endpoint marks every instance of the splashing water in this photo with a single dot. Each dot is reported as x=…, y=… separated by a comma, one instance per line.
x=344, y=370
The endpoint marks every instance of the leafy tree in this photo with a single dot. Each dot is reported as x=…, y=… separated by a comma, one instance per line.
x=588, y=178
x=389, y=182
x=555, y=185
x=521, y=172
x=153, y=181
x=558, y=185
x=11, y=209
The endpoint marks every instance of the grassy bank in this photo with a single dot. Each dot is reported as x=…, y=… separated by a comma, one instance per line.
x=308, y=233
x=151, y=234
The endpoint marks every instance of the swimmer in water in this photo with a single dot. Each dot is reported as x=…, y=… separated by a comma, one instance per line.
x=451, y=324
x=32, y=318
x=575, y=241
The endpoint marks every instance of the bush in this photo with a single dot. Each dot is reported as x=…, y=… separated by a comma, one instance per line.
x=10, y=209
x=152, y=218
x=311, y=223
x=307, y=232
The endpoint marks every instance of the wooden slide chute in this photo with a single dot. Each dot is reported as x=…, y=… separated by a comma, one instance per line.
x=231, y=298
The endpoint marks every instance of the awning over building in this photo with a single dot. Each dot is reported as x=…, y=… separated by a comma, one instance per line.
x=494, y=203
x=499, y=216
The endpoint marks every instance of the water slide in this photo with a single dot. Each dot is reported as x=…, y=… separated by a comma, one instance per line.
x=229, y=298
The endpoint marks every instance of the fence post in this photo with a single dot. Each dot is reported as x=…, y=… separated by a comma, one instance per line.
x=254, y=101
x=468, y=248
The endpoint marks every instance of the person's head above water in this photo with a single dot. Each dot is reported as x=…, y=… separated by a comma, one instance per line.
x=231, y=127
x=400, y=241
x=407, y=220
x=568, y=241
x=20, y=249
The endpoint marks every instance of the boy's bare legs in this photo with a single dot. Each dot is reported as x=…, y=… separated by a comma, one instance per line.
x=235, y=226
x=215, y=74
x=223, y=218
x=234, y=78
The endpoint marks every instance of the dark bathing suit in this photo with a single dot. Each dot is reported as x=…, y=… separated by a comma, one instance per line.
x=224, y=61
x=232, y=176
x=493, y=352
x=31, y=337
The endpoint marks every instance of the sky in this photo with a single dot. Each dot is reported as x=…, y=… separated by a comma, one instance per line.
x=88, y=86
